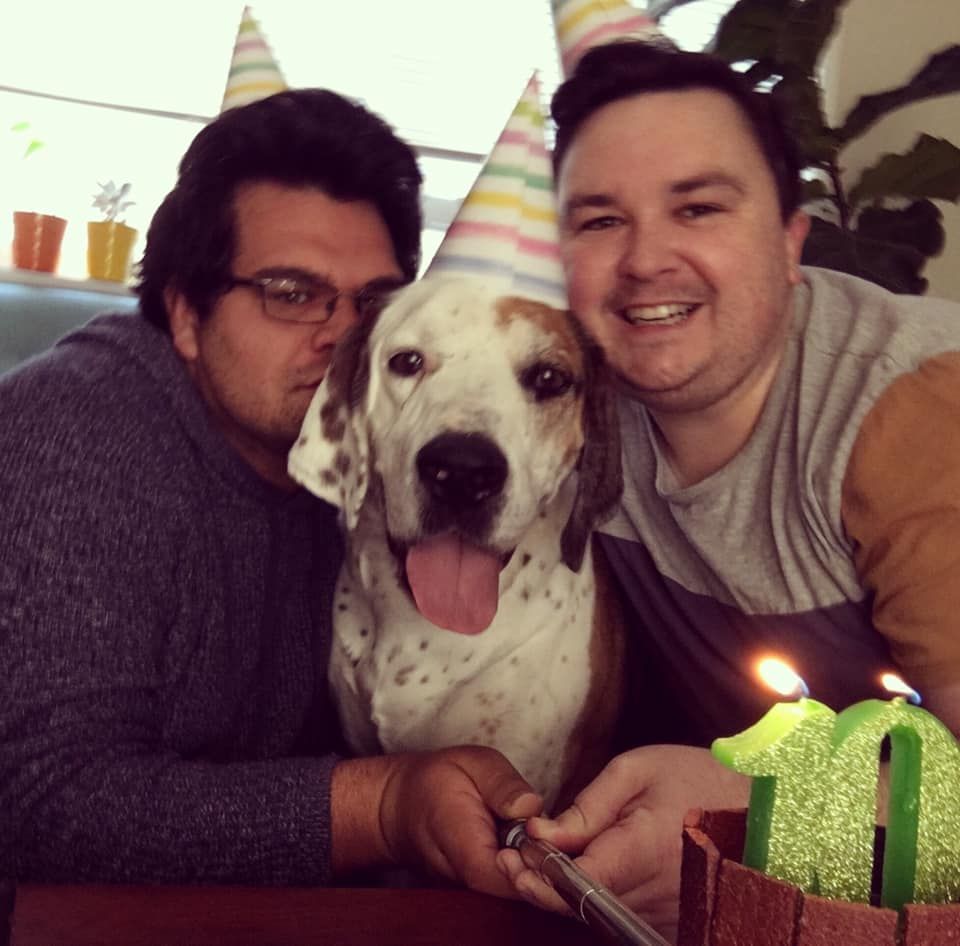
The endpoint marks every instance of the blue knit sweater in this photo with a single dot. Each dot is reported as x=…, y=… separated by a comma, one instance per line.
x=164, y=626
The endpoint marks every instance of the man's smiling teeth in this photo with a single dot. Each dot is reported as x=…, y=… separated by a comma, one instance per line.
x=660, y=314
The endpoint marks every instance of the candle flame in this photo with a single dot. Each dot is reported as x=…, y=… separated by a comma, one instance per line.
x=894, y=684
x=780, y=676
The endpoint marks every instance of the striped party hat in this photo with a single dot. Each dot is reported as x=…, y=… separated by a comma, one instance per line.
x=581, y=24
x=253, y=72
x=506, y=229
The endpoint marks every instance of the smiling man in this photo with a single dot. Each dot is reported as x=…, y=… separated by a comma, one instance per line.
x=791, y=446
x=165, y=588
x=681, y=269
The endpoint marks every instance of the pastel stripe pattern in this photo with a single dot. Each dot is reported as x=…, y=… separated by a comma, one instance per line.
x=253, y=72
x=506, y=229
x=582, y=24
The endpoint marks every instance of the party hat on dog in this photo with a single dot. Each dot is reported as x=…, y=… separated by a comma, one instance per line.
x=581, y=24
x=506, y=229
x=253, y=72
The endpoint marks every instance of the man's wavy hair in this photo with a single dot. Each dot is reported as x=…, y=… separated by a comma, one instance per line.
x=625, y=68
x=302, y=138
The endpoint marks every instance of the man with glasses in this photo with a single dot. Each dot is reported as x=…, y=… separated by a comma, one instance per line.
x=166, y=590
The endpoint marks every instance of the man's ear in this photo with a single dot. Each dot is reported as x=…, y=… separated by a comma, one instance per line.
x=795, y=235
x=183, y=325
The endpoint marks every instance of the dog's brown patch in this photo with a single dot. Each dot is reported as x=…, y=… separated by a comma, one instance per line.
x=555, y=322
x=332, y=423
x=341, y=463
x=566, y=347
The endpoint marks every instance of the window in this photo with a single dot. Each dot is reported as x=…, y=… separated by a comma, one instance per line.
x=117, y=90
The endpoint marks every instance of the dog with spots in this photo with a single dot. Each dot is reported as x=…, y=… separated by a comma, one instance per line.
x=470, y=440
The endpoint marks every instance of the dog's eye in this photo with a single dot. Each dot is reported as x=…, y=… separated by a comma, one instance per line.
x=546, y=380
x=406, y=363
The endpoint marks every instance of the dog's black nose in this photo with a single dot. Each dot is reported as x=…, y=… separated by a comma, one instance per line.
x=462, y=469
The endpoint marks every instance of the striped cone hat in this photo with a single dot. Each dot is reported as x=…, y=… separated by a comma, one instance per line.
x=582, y=24
x=506, y=229
x=253, y=72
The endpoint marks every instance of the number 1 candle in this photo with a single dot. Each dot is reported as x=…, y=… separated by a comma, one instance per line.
x=786, y=752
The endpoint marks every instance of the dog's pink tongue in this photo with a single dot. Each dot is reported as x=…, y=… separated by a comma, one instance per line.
x=454, y=584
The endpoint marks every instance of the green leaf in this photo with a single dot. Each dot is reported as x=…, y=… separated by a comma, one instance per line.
x=787, y=32
x=784, y=39
x=919, y=224
x=804, y=33
x=800, y=100
x=34, y=145
x=940, y=75
x=750, y=30
x=19, y=126
x=889, y=250
x=930, y=169
x=815, y=190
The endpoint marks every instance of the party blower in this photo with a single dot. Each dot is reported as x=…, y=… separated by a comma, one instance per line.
x=594, y=904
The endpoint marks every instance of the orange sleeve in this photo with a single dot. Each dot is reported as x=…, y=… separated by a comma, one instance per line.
x=900, y=505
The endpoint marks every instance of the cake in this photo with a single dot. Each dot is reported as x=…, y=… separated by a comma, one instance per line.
x=723, y=903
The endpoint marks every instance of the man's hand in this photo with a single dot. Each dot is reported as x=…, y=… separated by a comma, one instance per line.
x=628, y=825
x=429, y=810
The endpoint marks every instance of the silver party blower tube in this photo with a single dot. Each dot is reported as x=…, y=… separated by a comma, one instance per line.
x=594, y=904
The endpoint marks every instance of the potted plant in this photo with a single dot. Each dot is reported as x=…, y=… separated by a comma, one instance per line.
x=884, y=226
x=110, y=241
x=37, y=237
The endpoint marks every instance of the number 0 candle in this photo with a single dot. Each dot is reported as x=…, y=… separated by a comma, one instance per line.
x=786, y=752
x=921, y=859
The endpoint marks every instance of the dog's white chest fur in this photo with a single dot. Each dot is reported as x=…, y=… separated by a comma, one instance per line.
x=519, y=686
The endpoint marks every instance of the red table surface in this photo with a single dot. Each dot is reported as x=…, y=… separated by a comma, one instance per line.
x=237, y=916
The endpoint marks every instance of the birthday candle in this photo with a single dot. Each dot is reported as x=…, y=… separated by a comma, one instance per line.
x=921, y=860
x=786, y=752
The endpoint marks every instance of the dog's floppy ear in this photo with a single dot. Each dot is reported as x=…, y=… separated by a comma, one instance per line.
x=600, y=477
x=332, y=454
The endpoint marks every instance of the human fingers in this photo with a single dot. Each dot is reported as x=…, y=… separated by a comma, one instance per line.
x=503, y=789
x=528, y=883
x=440, y=811
x=610, y=796
x=494, y=791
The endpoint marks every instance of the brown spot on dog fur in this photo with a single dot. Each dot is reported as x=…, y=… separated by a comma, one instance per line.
x=341, y=463
x=554, y=322
x=332, y=423
x=561, y=417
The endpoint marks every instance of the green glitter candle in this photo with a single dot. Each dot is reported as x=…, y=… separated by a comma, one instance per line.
x=921, y=860
x=786, y=752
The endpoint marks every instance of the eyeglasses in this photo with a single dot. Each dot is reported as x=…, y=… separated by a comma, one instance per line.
x=302, y=298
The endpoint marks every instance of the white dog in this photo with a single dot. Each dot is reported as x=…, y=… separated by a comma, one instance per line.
x=471, y=442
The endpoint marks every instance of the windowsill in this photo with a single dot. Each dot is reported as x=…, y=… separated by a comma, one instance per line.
x=29, y=277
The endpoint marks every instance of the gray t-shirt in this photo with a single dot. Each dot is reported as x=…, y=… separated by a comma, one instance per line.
x=756, y=559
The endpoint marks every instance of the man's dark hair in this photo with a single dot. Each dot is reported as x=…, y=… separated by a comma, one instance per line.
x=302, y=138
x=621, y=69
